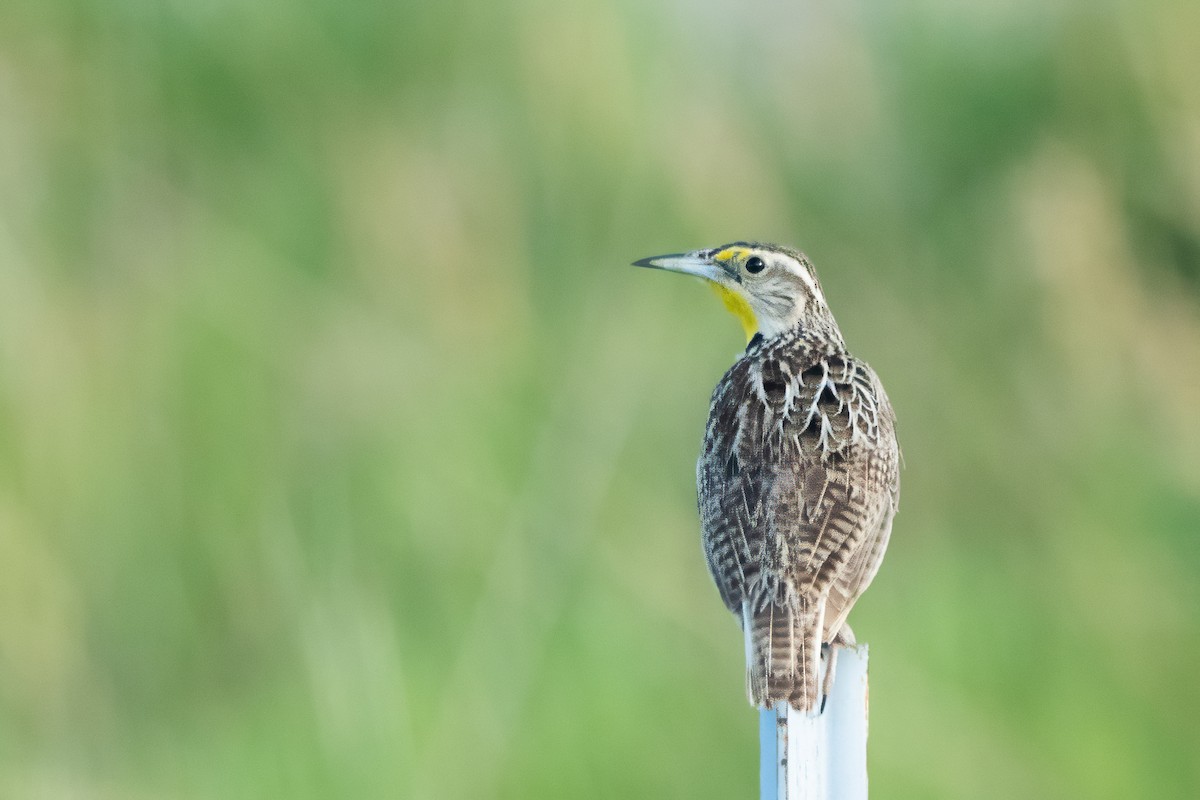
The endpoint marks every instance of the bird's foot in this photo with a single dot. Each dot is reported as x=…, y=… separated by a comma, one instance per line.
x=843, y=638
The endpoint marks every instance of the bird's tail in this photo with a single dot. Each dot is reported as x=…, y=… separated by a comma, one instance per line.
x=783, y=653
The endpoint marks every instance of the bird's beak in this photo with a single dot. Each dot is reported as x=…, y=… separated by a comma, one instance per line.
x=698, y=262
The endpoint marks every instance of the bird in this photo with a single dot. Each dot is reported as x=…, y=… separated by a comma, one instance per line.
x=798, y=476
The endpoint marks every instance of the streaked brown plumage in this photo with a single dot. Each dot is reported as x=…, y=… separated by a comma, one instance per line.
x=798, y=479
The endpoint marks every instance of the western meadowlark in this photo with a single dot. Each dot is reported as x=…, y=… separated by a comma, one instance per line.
x=798, y=479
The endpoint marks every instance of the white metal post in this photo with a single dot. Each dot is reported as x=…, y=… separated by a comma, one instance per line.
x=823, y=756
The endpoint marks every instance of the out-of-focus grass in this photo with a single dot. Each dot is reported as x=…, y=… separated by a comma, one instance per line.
x=341, y=455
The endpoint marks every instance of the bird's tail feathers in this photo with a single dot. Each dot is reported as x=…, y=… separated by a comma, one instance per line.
x=783, y=653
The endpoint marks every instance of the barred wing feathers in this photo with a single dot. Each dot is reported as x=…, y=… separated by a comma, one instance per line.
x=797, y=484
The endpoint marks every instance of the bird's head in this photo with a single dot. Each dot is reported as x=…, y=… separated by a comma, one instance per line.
x=769, y=288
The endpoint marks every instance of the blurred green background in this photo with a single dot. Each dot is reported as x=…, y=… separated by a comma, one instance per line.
x=343, y=455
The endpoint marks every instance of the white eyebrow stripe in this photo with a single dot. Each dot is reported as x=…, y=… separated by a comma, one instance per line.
x=806, y=276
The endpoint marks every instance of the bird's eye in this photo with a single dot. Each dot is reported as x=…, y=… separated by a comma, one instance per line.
x=755, y=265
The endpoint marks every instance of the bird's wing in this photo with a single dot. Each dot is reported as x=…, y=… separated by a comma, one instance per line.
x=730, y=483
x=858, y=573
x=782, y=480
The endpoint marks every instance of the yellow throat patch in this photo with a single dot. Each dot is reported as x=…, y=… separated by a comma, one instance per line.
x=738, y=306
